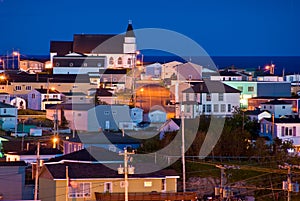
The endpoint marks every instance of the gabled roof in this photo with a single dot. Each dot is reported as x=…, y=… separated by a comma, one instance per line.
x=4, y=105
x=176, y=121
x=276, y=102
x=43, y=151
x=73, y=93
x=228, y=73
x=70, y=106
x=98, y=170
x=61, y=47
x=98, y=43
x=104, y=93
x=211, y=87
x=46, y=91
x=89, y=154
x=284, y=120
x=12, y=163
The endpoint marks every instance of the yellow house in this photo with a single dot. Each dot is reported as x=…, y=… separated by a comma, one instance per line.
x=89, y=178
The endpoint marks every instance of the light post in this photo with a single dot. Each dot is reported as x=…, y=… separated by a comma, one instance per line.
x=2, y=78
x=15, y=53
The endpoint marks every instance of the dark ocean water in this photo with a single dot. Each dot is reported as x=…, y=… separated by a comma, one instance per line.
x=290, y=64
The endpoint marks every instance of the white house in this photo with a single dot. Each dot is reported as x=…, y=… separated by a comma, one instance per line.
x=157, y=116
x=277, y=107
x=209, y=98
x=258, y=115
x=4, y=97
x=8, y=116
x=19, y=102
x=39, y=98
x=284, y=128
x=169, y=69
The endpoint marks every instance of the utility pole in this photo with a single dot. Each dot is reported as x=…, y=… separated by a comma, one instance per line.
x=183, y=152
x=126, y=170
x=289, y=182
x=288, y=185
x=67, y=182
x=37, y=172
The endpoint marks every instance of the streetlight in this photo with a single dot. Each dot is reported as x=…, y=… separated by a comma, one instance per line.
x=2, y=78
x=15, y=53
x=3, y=63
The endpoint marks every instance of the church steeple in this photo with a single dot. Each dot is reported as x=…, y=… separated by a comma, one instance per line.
x=129, y=31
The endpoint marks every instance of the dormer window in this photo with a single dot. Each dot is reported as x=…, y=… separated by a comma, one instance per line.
x=120, y=61
x=111, y=61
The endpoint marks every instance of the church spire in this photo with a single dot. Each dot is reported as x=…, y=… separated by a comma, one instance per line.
x=129, y=31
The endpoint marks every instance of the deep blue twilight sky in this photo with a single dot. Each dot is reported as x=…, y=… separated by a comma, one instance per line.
x=221, y=27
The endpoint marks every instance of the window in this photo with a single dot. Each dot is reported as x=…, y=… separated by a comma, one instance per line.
x=203, y=109
x=195, y=97
x=57, y=64
x=80, y=190
x=79, y=114
x=28, y=88
x=18, y=88
x=216, y=108
x=71, y=64
x=106, y=112
x=33, y=96
x=223, y=108
x=190, y=77
x=111, y=61
x=208, y=97
x=85, y=64
x=250, y=89
x=55, y=96
x=209, y=108
x=99, y=64
x=147, y=183
x=221, y=96
x=283, y=107
x=187, y=96
x=108, y=187
x=120, y=61
x=129, y=61
x=4, y=110
x=229, y=108
x=188, y=108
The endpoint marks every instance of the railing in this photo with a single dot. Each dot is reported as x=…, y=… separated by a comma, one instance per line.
x=146, y=196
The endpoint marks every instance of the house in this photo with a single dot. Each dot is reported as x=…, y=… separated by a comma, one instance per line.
x=209, y=98
x=225, y=75
x=75, y=97
x=12, y=182
x=104, y=96
x=39, y=98
x=19, y=102
x=171, y=125
x=136, y=114
x=88, y=53
x=277, y=107
x=115, y=79
x=29, y=156
x=8, y=116
x=88, y=179
x=114, y=142
x=154, y=70
x=250, y=89
x=4, y=97
x=258, y=115
x=169, y=69
x=157, y=116
x=189, y=71
x=31, y=66
x=284, y=129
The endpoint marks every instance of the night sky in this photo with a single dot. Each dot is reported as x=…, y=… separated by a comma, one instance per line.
x=221, y=27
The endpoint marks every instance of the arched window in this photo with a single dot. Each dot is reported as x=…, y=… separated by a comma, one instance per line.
x=129, y=61
x=111, y=61
x=120, y=62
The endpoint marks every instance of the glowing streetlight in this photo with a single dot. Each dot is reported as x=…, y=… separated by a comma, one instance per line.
x=15, y=53
x=3, y=78
x=54, y=140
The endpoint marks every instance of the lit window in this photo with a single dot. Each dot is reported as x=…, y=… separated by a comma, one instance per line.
x=33, y=96
x=148, y=184
x=108, y=187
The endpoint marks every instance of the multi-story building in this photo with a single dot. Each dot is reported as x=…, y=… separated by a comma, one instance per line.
x=88, y=53
x=209, y=98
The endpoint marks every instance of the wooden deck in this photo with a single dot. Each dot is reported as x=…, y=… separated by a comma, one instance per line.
x=147, y=196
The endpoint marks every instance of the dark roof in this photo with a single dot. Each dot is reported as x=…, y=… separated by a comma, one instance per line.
x=104, y=92
x=43, y=151
x=98, y=170
x=211, y=87
x=104, y=138
x=113, y=71
x=177, y=121
x=43, y=78
x=7, y=115
x=129, y=31
x=61, y=47
x=46, y=91
x=12, y=163
x=4, y=105
x=90, y=154
x=73, y=93
x=276, y=102
x=70, y=106
x=228, y=73
x=284, y=120
x=98, y=43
